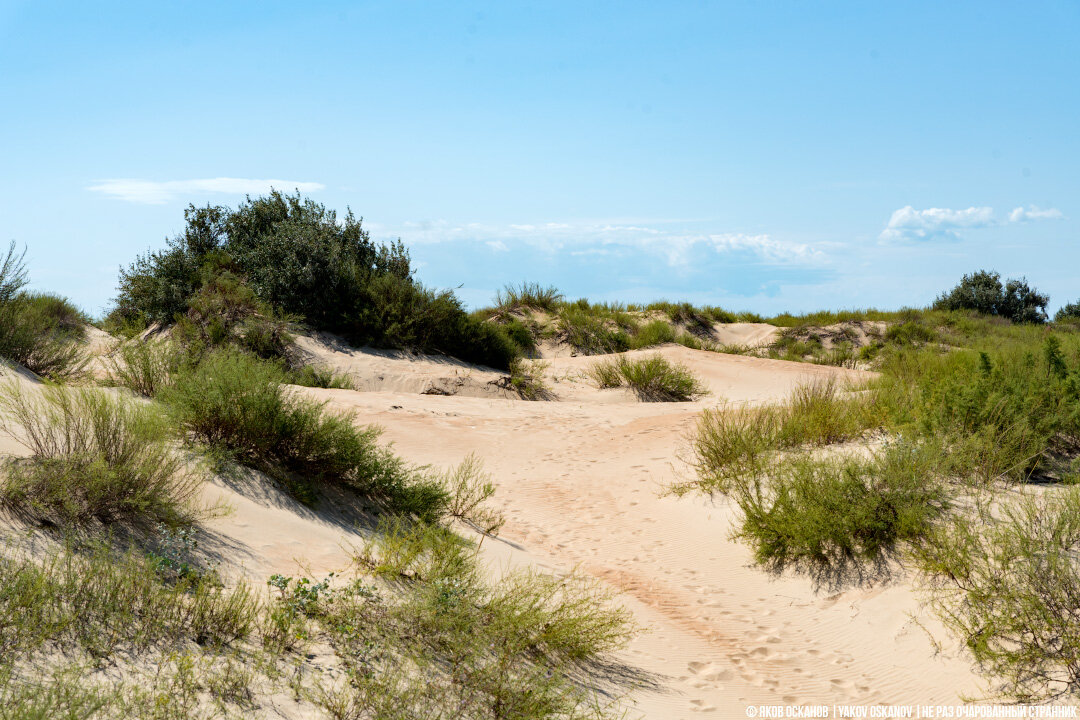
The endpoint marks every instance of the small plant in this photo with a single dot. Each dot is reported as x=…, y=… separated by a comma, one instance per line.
x=469, y=488
x=589, y=334
x=527, y=379
x=39, y=331
x=653, y=378
x=528, y=295
x=327, y=378
x=144, y=367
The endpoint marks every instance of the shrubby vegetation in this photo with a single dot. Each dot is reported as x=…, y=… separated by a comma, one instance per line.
x=242, y=275
x=37, y=330
x=95, y=456
x=652, y=378
x=983, y=292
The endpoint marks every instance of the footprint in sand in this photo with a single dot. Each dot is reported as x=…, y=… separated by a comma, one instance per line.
x=709, y=671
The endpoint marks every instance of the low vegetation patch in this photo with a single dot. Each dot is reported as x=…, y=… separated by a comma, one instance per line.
x=653, y=378
x=237, y=403
x=95, y=456
x=1006, y=580
x=527, y=379
x=38, y=331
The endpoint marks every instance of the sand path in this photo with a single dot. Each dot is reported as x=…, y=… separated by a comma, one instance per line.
x=581, y=485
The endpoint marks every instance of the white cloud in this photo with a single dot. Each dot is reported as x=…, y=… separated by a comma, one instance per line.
x=907, y=223
x=150, y=192
x=677, y=248
x=1031, y=212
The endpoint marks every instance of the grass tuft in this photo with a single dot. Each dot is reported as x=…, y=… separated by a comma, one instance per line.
x=653, y=378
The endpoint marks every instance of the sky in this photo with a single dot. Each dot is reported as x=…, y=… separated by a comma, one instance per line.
x=762, y=156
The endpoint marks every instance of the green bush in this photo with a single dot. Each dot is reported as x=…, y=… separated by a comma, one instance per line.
x=282, y=257
x=835, y=518
x=441, y=639
x=983, y=292
x=656, y=332
x=652, y=378
x=145, y=367
x=733, y=442
x=95, y=456
x=1007, y=582
x=37, y=330
x=326, y=378
x=234, y=401
x=527, y=379
x=1069, y=312
x=590, y=334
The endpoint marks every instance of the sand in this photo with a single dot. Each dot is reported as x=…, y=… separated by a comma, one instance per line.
x=581, y=481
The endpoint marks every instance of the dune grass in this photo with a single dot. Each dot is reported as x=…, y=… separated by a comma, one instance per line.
x=652, y=378
x=527, y=379
x=436, y=634
x=529, y=295
x=95, y=456
x=235, y=402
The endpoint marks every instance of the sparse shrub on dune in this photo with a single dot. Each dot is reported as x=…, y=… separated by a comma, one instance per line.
x=730, y=442
x=1005, y=578
x=95, y=456
x=510, y=648
x=528, y=295
x=236, y=402
x=527, y=379
x=656, y=332
x=652, y=378
x=589, y=334
x=38, y=331
x=837, y=519
x=321, y=377
x=470, y=488
x=145, y=367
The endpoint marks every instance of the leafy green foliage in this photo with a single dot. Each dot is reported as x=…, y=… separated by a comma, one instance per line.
x=983, y=292
x=1070, y=312
x=280, y=257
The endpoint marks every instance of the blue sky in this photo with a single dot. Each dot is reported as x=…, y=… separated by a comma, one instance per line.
x=764, y=156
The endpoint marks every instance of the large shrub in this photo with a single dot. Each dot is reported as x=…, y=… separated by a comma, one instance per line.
x=301, y=260
x=983, y=292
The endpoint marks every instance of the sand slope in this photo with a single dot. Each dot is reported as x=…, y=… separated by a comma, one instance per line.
x=581, y=482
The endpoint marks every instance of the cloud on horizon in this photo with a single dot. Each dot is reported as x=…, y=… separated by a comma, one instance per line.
x=150, y=192
x=679, y=249
x=909, y=224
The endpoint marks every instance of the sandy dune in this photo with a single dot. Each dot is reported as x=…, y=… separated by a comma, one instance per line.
x=581, y=483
